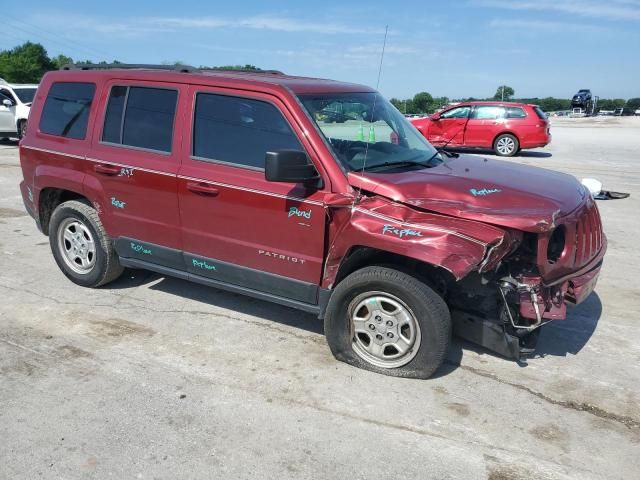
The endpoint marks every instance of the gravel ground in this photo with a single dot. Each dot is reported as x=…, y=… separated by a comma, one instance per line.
x=153, y=377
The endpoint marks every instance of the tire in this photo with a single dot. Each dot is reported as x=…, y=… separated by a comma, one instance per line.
x=80, y=245
x=373, y=297
x=506, y=145
x=22, y=129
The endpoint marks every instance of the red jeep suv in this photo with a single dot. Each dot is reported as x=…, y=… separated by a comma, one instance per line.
x=243, y=181
x=504, y=127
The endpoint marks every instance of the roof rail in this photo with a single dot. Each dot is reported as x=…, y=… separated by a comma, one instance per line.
x=241, y=70
x=128, y=66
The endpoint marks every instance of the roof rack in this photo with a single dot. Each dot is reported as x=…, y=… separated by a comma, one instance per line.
x=172, y=68
x=128, y=66
x=241, y=70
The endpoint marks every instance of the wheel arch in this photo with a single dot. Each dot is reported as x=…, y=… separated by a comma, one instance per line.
x=48, y=201
x=360, y=256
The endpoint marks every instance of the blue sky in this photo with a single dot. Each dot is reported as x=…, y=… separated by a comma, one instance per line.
x=456, y=48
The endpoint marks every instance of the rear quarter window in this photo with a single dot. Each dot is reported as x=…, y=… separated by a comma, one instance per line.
x=540, y=113
x=66, y=109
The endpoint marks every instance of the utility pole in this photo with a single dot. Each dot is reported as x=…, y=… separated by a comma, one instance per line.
x=503, y=93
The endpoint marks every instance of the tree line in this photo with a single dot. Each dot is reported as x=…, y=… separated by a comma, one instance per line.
x=27, y=63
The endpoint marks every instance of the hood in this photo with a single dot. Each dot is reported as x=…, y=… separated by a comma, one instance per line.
x=503, y=193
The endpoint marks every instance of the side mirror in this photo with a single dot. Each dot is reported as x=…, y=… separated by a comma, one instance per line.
x=7, y=103
x=292, y=166
x=435, y=117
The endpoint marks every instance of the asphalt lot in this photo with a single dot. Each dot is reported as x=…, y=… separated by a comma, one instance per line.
x=153, y=377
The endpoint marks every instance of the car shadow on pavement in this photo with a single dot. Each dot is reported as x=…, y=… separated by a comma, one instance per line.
x=563, y=337
x=242, y=304
x=558, y=338
x=9, y=142
x=482, y=151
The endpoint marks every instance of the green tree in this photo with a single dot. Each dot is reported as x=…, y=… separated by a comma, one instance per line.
x=633, y=103
x=25, y=63
x=504, y=92
x=60, y=61
x=422, y=102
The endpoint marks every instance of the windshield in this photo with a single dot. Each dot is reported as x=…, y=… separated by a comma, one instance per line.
x=366, y=132
x=25, y=94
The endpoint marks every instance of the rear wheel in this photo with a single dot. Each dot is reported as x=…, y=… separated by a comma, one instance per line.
x=22, y=128
x=386, y=321
x=80, y=245
x=506, y=145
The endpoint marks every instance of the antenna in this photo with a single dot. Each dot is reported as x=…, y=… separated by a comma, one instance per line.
x=373, y=109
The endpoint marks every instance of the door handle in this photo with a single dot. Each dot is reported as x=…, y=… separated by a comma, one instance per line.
x=105, y=169
x=202, y=189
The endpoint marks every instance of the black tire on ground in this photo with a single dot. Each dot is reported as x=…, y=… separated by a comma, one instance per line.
x=22, y=128
x=430, y=312
x=106, y=267
x=508, y=139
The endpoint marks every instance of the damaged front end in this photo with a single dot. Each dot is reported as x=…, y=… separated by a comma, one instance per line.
x=503, y=305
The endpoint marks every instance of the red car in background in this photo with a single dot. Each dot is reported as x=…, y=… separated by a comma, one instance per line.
x=502, y=126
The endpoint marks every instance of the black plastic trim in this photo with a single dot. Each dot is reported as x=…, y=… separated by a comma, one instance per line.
x=287, y=302
x=149, y=252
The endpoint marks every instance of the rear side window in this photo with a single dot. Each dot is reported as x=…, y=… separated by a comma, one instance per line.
x=488, y=112
x=239, y=131
x=140, y=117
x=66, y=109
x=515, y=112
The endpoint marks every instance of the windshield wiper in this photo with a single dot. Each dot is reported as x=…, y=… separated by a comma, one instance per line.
x=399, y=163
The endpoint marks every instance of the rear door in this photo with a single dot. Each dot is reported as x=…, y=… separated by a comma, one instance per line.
x=449, y=128
x=133, y=166
x=237, y=227
x=485, y=123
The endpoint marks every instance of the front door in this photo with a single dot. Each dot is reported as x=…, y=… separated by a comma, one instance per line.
x=449, y=128
x=237, y=227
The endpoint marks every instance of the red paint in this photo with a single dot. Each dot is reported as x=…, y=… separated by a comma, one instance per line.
x=235, y=215
x=531, y=131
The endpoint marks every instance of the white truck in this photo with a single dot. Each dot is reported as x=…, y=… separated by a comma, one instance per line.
x=15, y=103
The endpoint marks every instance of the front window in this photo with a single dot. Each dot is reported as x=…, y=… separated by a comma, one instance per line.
x=366, y=132
x=458, y=112
x=25, y=94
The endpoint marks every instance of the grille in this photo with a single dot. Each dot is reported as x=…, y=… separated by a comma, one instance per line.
x=588, y=236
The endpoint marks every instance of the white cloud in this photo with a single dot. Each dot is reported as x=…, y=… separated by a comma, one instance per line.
x=609, y=9
x=149, y=24
x=536, y=26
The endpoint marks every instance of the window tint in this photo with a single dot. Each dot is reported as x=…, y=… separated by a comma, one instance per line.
x=460, y=112
x=540, y=113
x=113, y=119
x=515, y=112
x=140, y=117
x=7, y=94
x=4, y=96
x=239, y=130
x=488, y=112
x=66, y=109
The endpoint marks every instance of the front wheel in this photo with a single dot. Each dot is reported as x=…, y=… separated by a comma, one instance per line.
x=389, y=322
x=506, y=145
